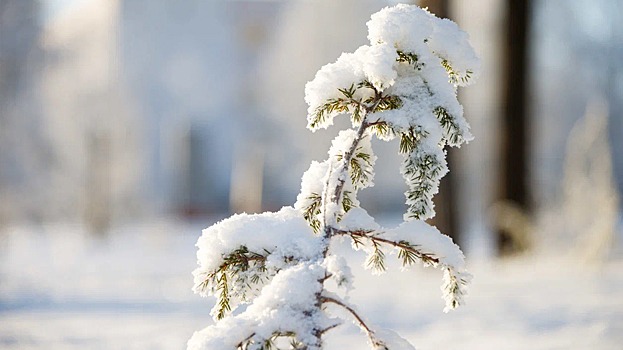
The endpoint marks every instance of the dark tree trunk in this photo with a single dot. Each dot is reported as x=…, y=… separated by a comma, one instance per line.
x=514, y=174
x=438, y=7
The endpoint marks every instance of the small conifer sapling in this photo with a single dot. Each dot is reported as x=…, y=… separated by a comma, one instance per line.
x=403, y=87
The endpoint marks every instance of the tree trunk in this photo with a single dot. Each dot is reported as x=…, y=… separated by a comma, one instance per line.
x=514, y=175
x=98, y=213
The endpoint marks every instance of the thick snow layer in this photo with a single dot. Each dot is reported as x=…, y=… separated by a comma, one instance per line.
x=61, y=289
x=282, y=239
x=373, y=63
x=283, y=234
x=341, y=74
x=449, y=42
x=282, y=305
x=403, y=26
x=430, y=240
x=412, y=29
x=405, y=84
x=392, y=340
x=312, y=184
x=442, y=54
x=358, y=219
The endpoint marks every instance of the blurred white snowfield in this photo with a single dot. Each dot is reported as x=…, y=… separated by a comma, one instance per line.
x=63, y=289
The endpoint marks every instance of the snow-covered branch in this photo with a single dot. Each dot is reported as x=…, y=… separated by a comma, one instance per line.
x=403, y=85
x=414, y=242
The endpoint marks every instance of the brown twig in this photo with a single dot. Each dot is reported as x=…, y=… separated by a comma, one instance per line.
x=360, y=321
x=426, y=257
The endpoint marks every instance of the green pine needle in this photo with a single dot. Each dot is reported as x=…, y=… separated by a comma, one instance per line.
x=310, y=213
x=453, y=133
x=377, y=259
x=454, y=76
x=409, y=58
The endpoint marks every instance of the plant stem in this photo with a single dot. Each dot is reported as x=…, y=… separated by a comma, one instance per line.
x=360, y=321
x=425, y=257
x=327, y=227
x=344, y=167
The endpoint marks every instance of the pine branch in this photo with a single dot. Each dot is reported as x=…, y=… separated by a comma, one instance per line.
x=377, y=259
x=223, y=297
x=454, y=288
x=454, y=282
x=360, y=169
x=411, y=138
x=408, y=141
x=367, y=84
x=334, y=105
x=405, y=248
x=408, y=256
x=388, y=102
x=348, y=103
x=311, y=212
x=348, y=92
x=344, y=167
x=347, y=202
x=231, y=270
x=410, y=58
x=349, y=169
x=382, y=129
x=270, y=343
x=454, y=76
x=422, y=172
x=452, y=132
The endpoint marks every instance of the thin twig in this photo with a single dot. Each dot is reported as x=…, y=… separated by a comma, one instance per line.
x=346, y=159
x=243, y=344
x=366, y=234
x=326, y=299
x=360, y=321
x=330, y=328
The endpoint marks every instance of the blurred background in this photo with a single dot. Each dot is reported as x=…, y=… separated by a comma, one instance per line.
x=127, y=126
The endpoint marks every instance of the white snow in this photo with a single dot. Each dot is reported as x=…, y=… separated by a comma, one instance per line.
x=283, y=238
x=397, y=72
x=449, y=42
x=282, y=306
x=338, y=267
x=403, y=26
x=329, y=79
x=392, y=340
x=312, y=184
x=430, y=240
x=283, y=233
x=422, y=236
x=378, y=64
x=419, y=60
x=358, y=219
x=61, y=289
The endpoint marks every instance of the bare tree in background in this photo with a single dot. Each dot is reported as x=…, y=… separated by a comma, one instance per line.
x=22, y=158
x=514, y=175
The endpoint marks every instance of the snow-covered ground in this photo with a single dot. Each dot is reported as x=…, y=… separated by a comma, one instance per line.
x=60, y=289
